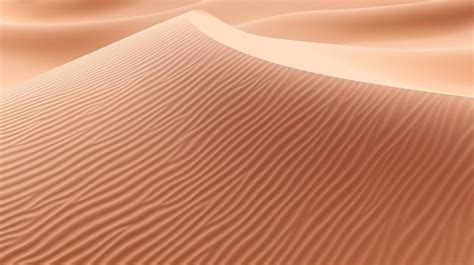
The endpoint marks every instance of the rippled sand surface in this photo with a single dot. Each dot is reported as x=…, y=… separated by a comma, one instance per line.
x=147, y=132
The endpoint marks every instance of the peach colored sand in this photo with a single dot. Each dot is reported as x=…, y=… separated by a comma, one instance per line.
x=39, y=35
x=408, y=26
x=172, y=147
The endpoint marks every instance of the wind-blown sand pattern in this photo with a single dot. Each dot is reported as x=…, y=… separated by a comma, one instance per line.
x=42, y=34
x=170, y=147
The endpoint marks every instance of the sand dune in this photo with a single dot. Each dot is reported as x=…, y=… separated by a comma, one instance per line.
x=98, y=10
x=174, y=147
x=407, y=26
x=40, y=35
x=390, y=67
x=85, y=10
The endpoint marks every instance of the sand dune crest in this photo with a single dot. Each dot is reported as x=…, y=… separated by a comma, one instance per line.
x=408, y=26
x=40, y=35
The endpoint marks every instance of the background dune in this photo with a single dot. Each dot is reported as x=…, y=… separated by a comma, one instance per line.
x=407, y=26
x=40, y=35
x=231, y=11
x=169, y=147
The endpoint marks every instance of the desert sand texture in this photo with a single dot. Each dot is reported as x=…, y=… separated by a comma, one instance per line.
x=40, y=35
x=190, y=143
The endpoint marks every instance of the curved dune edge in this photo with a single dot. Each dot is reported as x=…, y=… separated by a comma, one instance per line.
x=445, y=71
x=439, y=25
x=169, y=147
x=59, y=42
x=62, y=11
x=388, y=67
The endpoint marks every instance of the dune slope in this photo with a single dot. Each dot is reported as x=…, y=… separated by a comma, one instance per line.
x=37, y=36
x=418, y=25
x=169, y=147
x=40, y=35
x=446, y=70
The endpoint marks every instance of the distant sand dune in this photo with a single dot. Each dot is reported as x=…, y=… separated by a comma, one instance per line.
x=407, y=26
x=170, y=147
x=40, y=35
x=233, y=11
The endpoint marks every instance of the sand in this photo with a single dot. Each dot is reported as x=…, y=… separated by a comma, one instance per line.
x=40, y=35
x=428, y=25
x=170, y=147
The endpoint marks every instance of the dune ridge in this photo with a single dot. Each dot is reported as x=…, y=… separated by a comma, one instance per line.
x=424, y=25
x=44, y=39
x=169, y=147
x=390, y=67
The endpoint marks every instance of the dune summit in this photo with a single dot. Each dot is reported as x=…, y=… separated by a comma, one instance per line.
x=40, y=35
x=172, y=147
x=389, y=67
